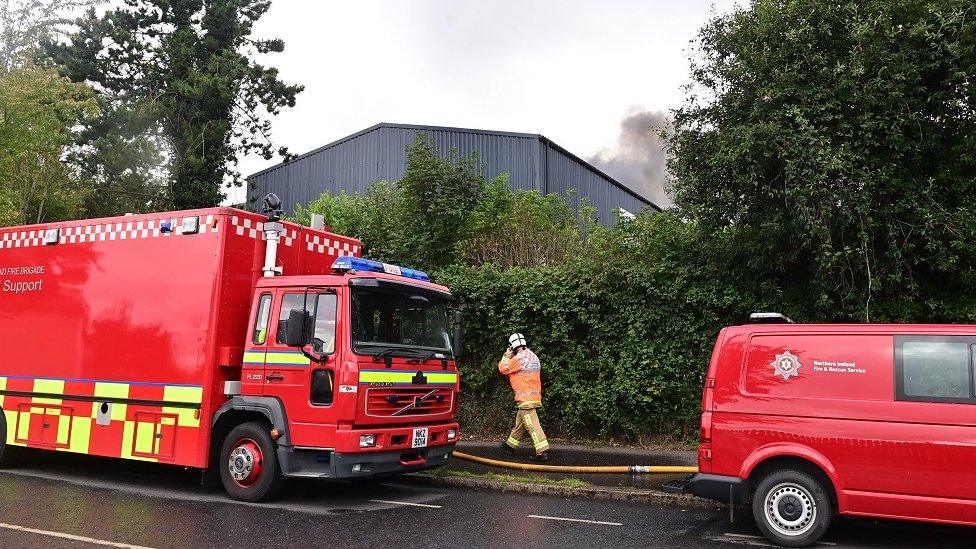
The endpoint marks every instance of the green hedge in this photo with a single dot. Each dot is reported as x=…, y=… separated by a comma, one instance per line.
x=624, y=332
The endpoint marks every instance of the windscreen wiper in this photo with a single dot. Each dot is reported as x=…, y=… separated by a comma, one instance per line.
x=431, y=355
x=425, y=358
x=387, y=354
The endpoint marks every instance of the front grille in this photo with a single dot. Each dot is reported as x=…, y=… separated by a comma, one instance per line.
x=403, y=402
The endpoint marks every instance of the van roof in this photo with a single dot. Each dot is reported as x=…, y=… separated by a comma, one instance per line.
x=945, y=329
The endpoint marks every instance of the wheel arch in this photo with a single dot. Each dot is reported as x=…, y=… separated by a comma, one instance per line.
x=793, y=457
x=242, y=409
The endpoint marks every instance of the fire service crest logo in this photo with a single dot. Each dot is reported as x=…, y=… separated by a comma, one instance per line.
x=786, y=365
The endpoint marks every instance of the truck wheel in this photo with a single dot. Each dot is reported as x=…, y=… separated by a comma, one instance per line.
x=791, y=508
x=248, y=463
x=8, y=454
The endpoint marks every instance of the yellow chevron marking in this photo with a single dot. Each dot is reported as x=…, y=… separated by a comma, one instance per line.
x=111, y=390
x=11, y=417
x=286, y=358
x=80, y=435
x=127, y=433
x=52, y=386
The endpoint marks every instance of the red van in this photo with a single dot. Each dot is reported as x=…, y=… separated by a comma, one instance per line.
x=804, y=421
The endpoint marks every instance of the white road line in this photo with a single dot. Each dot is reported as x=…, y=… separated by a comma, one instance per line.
x=576, y=520
x=72, y=537
x=406, y=503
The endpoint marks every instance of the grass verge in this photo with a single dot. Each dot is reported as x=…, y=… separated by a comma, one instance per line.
x=532, y=479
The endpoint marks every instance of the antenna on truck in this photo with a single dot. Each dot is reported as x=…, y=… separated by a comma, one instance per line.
x=272, y=233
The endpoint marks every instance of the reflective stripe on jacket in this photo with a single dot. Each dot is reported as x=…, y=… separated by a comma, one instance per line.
x=524, y=374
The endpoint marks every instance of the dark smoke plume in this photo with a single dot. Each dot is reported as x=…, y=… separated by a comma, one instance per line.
x=638, y=160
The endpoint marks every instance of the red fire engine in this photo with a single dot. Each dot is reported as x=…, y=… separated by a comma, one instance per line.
x=226, y=341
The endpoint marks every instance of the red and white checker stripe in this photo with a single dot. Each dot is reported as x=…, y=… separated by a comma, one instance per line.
x=119, y=230
x=333, y=247
x=21, y=239
x=255, y=229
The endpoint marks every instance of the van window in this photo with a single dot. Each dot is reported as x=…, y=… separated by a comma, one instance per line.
x=937, y=369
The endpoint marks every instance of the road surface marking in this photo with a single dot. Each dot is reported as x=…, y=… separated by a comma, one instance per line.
x=72, y=537
x=576, y=520
x=406, y=503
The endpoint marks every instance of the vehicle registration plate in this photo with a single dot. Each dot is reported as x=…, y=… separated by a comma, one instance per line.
x=420, y=437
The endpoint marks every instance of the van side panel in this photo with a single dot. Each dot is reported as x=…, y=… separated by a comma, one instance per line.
x=828, y=397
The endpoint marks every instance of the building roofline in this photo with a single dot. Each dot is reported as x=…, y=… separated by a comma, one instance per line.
x=601, y=173
x=420, y=127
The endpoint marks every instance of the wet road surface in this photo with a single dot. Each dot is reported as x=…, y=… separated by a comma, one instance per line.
x=77, y=501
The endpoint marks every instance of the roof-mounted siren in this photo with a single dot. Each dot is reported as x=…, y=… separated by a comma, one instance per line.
x=769, y=318
x=272, y=233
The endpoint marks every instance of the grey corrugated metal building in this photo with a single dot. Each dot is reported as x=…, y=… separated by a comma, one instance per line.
x=379, y=153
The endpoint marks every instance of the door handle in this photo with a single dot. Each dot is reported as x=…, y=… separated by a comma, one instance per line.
x=275, y=377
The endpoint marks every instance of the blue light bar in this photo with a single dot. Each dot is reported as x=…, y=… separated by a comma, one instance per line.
x=349, y=263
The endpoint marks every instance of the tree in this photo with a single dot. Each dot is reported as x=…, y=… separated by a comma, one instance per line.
x=375, y=217
x=439, y=195
x=443, y=212
x=24, y=24
x=189, y=65
x=121, y=154
x=836, y=138
x=38, y=108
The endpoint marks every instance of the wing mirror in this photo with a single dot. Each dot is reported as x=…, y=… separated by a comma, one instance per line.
x=298, y=328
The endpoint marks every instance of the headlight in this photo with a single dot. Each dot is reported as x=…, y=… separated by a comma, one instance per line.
x=367, y=441
x=451, y=434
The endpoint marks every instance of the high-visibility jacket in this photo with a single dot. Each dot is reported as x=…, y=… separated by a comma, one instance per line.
x=524, y=374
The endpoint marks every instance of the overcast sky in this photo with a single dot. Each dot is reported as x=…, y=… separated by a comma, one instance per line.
x=570, y=70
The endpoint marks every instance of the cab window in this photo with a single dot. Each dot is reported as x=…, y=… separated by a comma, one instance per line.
x=323, y=338
x=289, y=303
x=934, y=369
x=260, y=334
x=322, y=387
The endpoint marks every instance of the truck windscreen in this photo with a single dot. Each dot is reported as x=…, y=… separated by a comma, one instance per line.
x=388, y=319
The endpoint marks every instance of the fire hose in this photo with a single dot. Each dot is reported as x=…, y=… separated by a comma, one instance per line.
x=582, y=469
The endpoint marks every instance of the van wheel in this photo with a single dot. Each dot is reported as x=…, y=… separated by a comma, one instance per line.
x=248, y=464
x=791, y=508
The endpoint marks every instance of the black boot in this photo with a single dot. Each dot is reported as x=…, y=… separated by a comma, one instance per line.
x=508, y=449
x=541, y=458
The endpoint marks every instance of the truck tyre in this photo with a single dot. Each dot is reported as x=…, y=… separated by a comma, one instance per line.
x=248, y=463
x=7, y=452
x=4, y=450
x=792, y=508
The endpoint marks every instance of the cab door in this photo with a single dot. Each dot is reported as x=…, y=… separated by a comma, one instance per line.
x=252, y=373
x=304, y=386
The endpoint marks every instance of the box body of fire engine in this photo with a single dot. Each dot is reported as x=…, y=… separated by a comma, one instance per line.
x=120, y=333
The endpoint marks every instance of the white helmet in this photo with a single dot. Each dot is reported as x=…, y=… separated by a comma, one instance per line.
x=516, y=340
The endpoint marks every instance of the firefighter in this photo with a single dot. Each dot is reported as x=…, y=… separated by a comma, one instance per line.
x=523, y=370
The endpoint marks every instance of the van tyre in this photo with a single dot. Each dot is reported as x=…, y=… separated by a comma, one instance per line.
x=248, y=464
x=792, y=508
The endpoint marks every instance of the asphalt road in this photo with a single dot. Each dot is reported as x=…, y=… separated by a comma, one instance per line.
x=74, y=501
